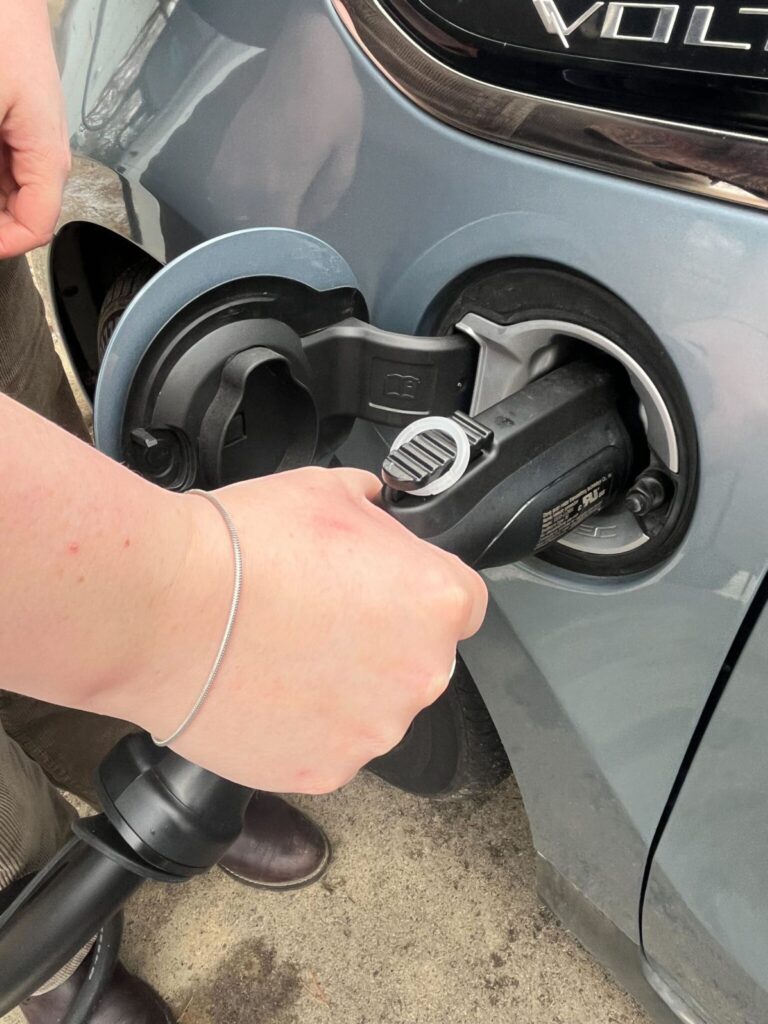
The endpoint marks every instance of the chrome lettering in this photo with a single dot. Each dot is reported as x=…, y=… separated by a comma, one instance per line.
x=662, y=29
x=701, y=19
x=553, y=19
x=755, y=10
x=697, y=33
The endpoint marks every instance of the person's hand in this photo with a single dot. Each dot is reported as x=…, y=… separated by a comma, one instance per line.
x=114, y=594
x=34, y=151
x=347, y=628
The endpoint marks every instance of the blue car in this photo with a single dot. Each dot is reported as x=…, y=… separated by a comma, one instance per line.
x=296, y=228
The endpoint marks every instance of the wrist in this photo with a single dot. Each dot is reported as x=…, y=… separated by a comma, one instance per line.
x=183, y=608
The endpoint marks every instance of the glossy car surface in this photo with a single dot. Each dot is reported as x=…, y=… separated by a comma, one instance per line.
x=632, y=707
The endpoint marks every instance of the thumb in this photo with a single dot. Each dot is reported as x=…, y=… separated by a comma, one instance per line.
x=359, y=482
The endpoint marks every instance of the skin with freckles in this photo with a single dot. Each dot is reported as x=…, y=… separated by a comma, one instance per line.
x=347, y=626
x=114, y=593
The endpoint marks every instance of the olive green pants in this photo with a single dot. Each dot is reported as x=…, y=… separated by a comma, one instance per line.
x=42, y=746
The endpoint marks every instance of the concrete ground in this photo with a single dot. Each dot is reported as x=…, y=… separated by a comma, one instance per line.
x=427, y=915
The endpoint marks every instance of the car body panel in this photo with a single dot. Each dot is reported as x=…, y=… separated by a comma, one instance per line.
x=705, y=914
x=596, y=686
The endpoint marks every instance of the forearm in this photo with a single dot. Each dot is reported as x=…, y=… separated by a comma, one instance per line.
x=91, y=557
x=114, y=596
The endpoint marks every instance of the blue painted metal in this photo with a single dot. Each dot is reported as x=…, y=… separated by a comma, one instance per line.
x=254, y=252
x=704, y=922
x=595, y=686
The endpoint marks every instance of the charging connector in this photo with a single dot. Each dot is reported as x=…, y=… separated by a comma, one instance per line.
x=552, y=455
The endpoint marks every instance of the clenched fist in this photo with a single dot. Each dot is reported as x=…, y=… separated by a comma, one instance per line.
x=34, y=151
x=347, y=628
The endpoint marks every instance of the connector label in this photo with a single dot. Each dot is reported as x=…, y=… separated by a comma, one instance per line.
x=567, y=514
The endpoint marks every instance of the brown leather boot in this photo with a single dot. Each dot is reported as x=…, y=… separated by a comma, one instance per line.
x=127, y=1000
x=279, y=848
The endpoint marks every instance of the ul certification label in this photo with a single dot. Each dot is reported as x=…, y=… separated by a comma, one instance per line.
x=564, y=517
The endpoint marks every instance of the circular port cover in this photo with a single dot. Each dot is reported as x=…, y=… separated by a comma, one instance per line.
x=253, y=253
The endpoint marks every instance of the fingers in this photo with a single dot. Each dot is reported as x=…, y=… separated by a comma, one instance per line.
x=468, y=587
x=476, y=593
x=437, y=685
x=359, y=482
x=473, y=592
x=35, y=163
x=30, y=216
x=465, y=591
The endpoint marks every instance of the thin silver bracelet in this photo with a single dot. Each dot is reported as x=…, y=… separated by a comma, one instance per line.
x=236, y=588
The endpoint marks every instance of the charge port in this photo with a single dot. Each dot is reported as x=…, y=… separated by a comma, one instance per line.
x=528, y=320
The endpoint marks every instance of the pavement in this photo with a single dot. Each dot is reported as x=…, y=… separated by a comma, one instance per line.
x=427, y=915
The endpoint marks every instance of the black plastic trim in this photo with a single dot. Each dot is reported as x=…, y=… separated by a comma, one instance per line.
x=679, y=154
x=720, y=88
